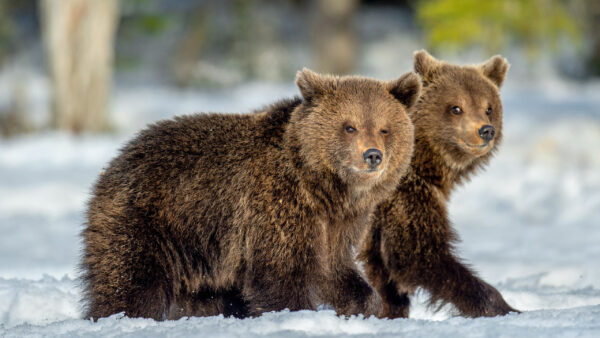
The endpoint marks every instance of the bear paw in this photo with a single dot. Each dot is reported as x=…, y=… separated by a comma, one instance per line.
x=493, y=304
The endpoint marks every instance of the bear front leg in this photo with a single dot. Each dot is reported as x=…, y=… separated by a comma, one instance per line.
x=350, y=294
x=395, y=304
x=448, y=280
x=271, y=285
x=208, y=302
x=416, y=247
x=264, y=294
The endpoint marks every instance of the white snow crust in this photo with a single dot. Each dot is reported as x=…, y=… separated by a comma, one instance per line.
x=529, y=224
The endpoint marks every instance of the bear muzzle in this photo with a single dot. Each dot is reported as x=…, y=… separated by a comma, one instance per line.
x=373, y=157
x=487, y=132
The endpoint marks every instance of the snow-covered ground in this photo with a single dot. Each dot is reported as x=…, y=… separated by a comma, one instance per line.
x=530, y=224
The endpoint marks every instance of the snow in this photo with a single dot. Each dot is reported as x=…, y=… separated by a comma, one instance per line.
x=580, y=322
x=530, y=224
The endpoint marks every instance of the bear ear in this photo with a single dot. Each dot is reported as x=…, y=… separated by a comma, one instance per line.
x=495, y=69
x=425, y=64
x=312, y=84
x=406, y=89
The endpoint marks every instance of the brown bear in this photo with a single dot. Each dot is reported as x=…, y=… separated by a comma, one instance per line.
x=458, y=126
x=241, y=214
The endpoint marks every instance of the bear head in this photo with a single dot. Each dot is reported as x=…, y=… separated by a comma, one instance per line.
x=460, y=112
x=355, y=127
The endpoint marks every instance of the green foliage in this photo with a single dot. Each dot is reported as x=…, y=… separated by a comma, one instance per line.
x=140, y=20
x=144, y=17
x=492, y=24
x=152, y=23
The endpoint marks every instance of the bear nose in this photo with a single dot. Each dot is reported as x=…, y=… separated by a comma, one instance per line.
x=373, y=157
x=487, y=132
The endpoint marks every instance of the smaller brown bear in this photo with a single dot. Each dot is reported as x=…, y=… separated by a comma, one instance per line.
x=458, y=126
x=246, y=213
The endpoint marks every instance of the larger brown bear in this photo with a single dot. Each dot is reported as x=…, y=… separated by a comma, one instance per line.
x=458, y=126
x=247, y=213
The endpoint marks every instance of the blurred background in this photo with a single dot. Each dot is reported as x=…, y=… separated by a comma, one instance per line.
x=78, y=78
x=71, y=64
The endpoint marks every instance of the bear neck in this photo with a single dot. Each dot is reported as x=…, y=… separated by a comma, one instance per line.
x=430, y=166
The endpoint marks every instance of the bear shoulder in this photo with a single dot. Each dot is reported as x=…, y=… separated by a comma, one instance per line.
x=206, y=134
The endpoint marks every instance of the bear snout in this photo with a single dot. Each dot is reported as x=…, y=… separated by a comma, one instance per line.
x=373, y=157
x=487, y=132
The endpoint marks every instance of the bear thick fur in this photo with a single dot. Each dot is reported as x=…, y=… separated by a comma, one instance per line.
x=241, y=214
x=458, y=126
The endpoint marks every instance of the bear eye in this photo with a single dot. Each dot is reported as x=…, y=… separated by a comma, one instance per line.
x=384, y=131
x=456, y=110
x=488, y=111
x=350, y=129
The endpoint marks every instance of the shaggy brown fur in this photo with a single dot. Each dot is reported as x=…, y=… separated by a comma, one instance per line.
x=242, y=214
x=410, y=244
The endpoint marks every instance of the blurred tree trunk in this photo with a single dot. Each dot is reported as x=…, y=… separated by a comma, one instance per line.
x=14, y=120
x=333, y=36
x=79, y=38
